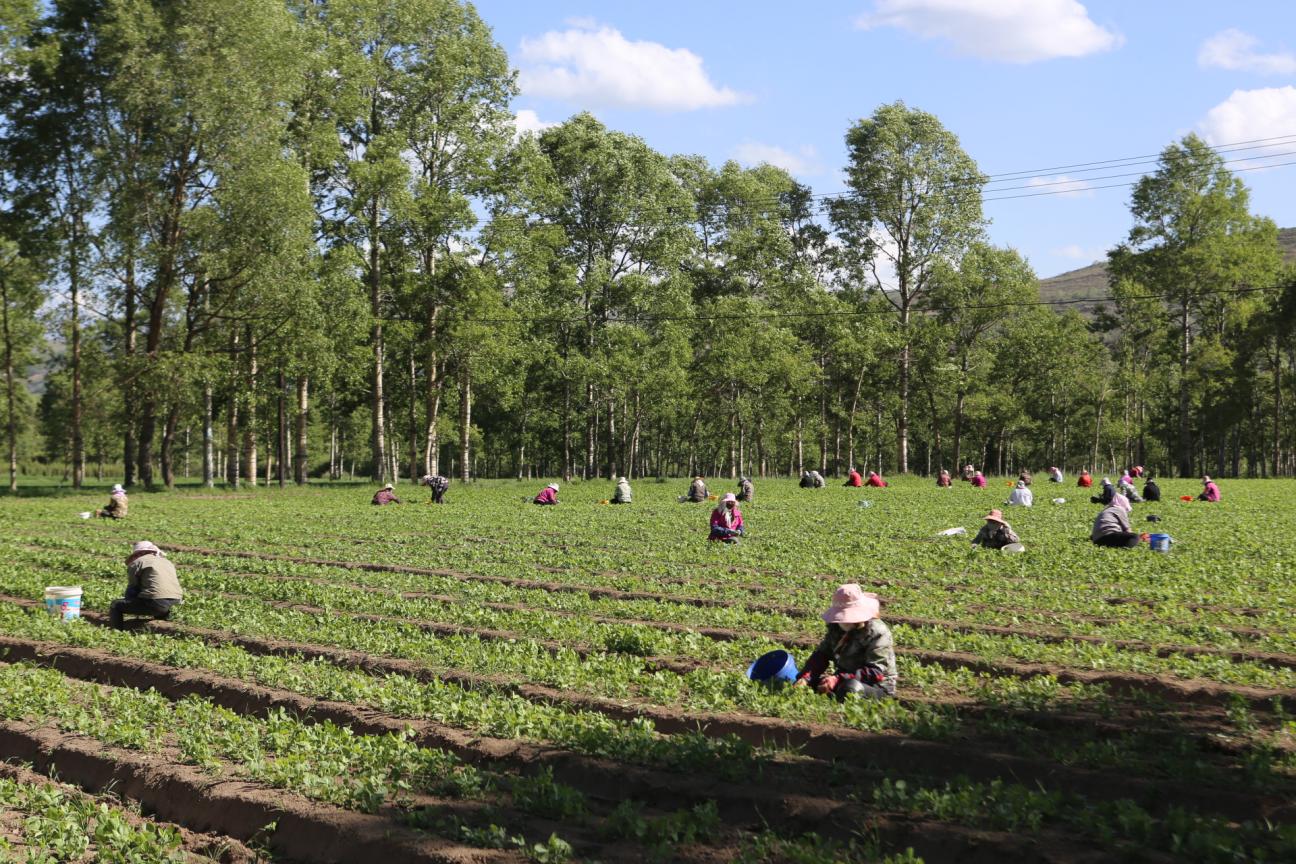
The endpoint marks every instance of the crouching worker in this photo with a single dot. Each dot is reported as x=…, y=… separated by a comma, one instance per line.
x=697, y=492
x=152, y=586
x=746, y=491
x=385, y=495
x=726, y=520
x=548, y=496
x=1112, y=527
x=622, y=495
x=438, y=485
x=859, y=647
x=117, y=504
x=995, y=533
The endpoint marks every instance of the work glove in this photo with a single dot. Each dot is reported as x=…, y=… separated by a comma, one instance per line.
x=828, y=683
x=870, y=675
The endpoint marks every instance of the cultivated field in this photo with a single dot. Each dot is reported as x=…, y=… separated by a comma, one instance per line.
x=493, y=681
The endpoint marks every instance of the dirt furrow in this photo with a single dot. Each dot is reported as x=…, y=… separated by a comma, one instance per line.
x=885, y=751
x=303, y=830
x=790, y=798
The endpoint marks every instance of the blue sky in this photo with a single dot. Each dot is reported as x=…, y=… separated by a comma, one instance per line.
x=1025, y=84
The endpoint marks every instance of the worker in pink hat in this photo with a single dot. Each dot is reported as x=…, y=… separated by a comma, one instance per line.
x=1210, y=491
x=858, y=644
x=152, y=586
x=726, y=520
x=995, y=533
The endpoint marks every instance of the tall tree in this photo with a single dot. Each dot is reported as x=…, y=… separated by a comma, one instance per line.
x=1193, y=240
x=914, y=204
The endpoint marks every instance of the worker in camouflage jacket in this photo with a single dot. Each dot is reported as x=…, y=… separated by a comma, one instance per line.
x=858, y=646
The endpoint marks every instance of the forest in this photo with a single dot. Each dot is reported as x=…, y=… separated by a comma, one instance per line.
x=256, y=243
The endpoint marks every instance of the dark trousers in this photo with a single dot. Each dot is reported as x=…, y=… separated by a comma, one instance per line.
x=1119, y=540
x=437, y=495
x=858, y=689
x=159, y=609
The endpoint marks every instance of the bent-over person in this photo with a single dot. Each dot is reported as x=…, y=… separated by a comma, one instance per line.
x=117, y=504
x=152, y=586
x=858, y=646
x=995, y=533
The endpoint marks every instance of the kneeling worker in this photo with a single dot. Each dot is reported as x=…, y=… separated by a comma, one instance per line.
x=859, y=646
x=152, y=586
x=1112, y=527
x=622, y=495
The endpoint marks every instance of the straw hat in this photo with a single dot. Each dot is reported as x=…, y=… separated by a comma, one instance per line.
x=389, y=486
x=996, y=515
x=553, y=486
x=621, y=480
x=852, y=605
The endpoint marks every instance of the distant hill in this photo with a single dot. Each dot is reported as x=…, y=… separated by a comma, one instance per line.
x=1090, y=283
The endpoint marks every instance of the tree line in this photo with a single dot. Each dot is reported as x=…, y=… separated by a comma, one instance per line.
x=260, y=242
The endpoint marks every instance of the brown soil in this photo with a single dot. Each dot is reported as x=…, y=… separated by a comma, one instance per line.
x=790, y=799
x=199, y=846
x=887, y=752
x=304, y=830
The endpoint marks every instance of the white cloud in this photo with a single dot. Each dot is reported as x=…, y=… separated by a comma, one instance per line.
x=804, y=162
x=1011, y=31
x=529, y=121
x=1061, y=185
x=1233, y=49
x=599, y=67
x=1077, y=252
x=1253, y=115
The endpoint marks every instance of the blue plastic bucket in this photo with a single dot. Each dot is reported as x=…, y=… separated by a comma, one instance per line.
x=774, y=666
x=1159, y=542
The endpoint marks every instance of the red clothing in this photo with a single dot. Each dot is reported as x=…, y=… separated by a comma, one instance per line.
x=943, y=481
x=875, y=481
x=722, y=517
x=854, y=479
x=1084, y=481
x=1211, y=492
x=547, y=496
x=979, y=482
x=385, y=496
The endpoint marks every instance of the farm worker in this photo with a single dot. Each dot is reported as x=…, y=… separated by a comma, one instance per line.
x=1024, y=477
x=438, y=485
x=548, y=495
x=978, y=480
x=854, y=479
x=116, y=508
x=697, y=492
x=1112, y=526
x=1084, y=481
x=1105, y=496
x=385, y=495
x=1126, y=488
x=995, y=533
x=968, y=473
x=859, y=646
x=622, y=494
x=944, y=481
x=746, y=491
x=726, y=520
x=152, y=586
x=1151, y=491
x=817, y=479
x=1055, y=475
x=1021, y=496
x=1210, y=492
x=1137, y=471
x=807, y=481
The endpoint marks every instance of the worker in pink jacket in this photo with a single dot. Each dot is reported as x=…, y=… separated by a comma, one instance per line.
x=875, y=480
x=548, y=495
x=726, y=520
x=978, y=480
x=1210, y=492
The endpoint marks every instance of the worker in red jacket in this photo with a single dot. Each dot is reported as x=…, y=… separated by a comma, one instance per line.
x=875, y=480
x=854, y=479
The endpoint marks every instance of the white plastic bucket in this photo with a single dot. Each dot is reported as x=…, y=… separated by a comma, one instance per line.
x=63, y=602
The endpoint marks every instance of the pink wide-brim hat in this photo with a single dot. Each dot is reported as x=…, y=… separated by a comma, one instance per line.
x=144, y=547
x=729, y=496
x=852, y=605
x=996, y=516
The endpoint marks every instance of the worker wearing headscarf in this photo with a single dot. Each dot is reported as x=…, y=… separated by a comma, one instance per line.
x=726, y=520
x=622, y=495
